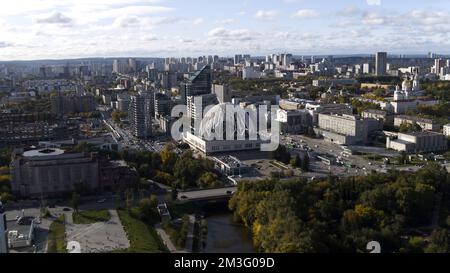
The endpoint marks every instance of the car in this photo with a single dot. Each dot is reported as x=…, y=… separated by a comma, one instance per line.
x=183, y=197
x=101, y=201
x=67, y=209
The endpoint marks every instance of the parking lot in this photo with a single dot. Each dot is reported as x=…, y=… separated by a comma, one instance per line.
x=98, y=237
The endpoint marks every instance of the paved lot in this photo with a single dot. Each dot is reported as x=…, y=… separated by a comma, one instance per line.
x=98, y=237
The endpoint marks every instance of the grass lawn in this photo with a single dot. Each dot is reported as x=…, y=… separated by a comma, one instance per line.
x=143, y=238
x=91, y=216
x=57, y=236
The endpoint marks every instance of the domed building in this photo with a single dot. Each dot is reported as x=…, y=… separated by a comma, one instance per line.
x=213, y=134
x=410, y=89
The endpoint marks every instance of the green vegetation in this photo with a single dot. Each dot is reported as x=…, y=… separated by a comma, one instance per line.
x=282, y=154
x=57, y=236
x=142, y=236
x=438, y=90
x=118, y=115
x=380, y=79
x=343, y=215
x=177, y=231
x=37, y=106
x=90, y=217
x=360, y=106
x=409, y=128
x=5, y=177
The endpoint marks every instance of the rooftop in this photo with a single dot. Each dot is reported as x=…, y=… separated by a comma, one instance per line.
x=413, y=118
x=43, y=152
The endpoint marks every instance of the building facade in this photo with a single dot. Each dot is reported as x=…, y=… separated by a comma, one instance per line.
x=420, y=142
x=140, y=115
x=425, y=124
x=343, y=129
x=51, y=172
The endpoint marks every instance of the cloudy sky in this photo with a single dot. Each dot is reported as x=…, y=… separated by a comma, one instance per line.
x=39, y=29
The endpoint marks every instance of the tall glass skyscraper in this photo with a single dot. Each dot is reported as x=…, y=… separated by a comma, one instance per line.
x=199, y=84
x=381, y=63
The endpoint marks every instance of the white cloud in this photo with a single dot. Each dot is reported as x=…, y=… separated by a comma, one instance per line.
x=306, y=14
x=265, y=14
x=373, y=2
x=198, y=21
x=54, y=18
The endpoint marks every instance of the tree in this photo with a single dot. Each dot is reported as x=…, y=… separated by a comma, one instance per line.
x=168, y=158
x=296, y=162
x=305, y=163
x=207, y=180
x=409, y=128
x=440, y=241
x=75, y=201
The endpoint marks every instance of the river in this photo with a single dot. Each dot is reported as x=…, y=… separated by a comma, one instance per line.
x=226, y=236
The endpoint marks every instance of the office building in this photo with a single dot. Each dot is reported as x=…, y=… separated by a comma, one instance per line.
x=196, y=106
x=199, y=84
x=294, y=121
x=20, y=129
x=52, y=172
x=419, y=142
x=163, y=105
x=343, y=129
x=140, y=114
x=383, y=116
x=425, y=124
x=73, y=103
x=168, y=80
x=381, y=63
x=223, y=93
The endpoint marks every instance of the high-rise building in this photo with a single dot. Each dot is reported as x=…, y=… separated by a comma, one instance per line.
x=223, y=93
x=238, y=59
x=367, y=68
x=168, y=80
x=119, y=67
x=198, y=84
x=141, y=109
x=132, y=65
x=381, y=63
x=196, y=106
x=163, y=105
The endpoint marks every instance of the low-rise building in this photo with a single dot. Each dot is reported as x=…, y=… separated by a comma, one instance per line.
x=293, y=122
x=230, y=165
x=447, y=130
x=419, y=142
x=382, y=116
x=343, y=129
x=425, y=124
x=52, y=172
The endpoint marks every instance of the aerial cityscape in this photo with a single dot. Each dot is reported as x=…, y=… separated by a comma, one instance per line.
x=229, y=127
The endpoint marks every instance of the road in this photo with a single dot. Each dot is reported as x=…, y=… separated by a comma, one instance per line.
x=205, y=194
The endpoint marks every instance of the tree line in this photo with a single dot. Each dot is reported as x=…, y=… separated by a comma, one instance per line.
x=343, y=215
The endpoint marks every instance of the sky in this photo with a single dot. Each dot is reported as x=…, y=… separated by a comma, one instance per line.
x=59, y=29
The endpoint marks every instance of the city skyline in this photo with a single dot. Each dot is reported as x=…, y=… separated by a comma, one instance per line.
x=49, y=29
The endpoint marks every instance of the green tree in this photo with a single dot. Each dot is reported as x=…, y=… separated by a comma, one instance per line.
x=75, y=201
x=305, y=163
